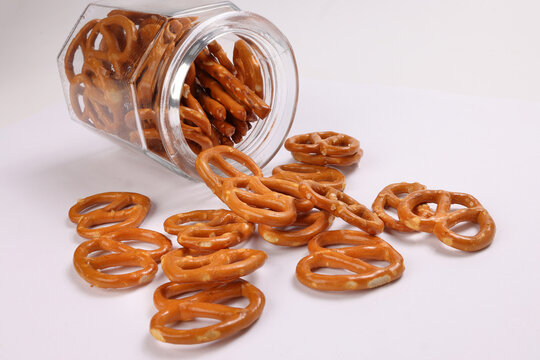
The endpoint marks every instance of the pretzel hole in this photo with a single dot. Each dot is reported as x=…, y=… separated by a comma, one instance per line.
x=239, y=302
x=454, y=207
x=466, y=228
x=378, y=263
x=93, y=207
x=332, y=271
x=105, y=223
x=196, y=323
x=141, y=245
x=119, y=270
x=99, y=253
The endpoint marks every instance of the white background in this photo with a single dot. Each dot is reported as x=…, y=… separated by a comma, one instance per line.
x=461, y=119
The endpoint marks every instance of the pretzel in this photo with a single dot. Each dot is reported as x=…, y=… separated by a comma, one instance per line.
x=122, y=255
x=222, y=265
x=211, y=106
x=321, y=174
x=327, y=143
x=235, y=87
x=222, y=229
x=315, y=223
x=78, y=42
x=141, y=235
x=207, y=304
x=195, y=134
x=443, y=220
x=119, y=56
x=248, y=197
x=191, y=76
x=248, y=66
x=194, y=116
x=221, y=55
x=220, y=95
x=388, y=197
x=217, y=156
x=289, y=188
x=322, y=160
x=124, y=208
x=341, y=205
x=364, y=247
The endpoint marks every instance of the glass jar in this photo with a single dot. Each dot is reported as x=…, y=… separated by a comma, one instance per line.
x=171, y=78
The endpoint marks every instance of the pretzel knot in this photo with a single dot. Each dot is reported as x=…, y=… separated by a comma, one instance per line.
x=444, y=219
x=325, y=148
x=222, y=265
x=248, y=197
x=223, y=229
x=321, y=174
x=311, y=224
x=204, y=304
x=123, y=208
x=89, y=268
x=388, y=197
x=341, y=205
x=364, y=247
x=217, y=156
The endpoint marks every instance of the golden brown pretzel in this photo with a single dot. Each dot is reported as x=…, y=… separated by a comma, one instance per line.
x=323, y=160
x=197, y=118
x=124, y=208
x=314, y=222
x=195, y=135
x=220, y=229
x=364, y=247
x=114, y=53
x=211, y=106
x=248, y=66
x=444, y=219
x=220, y=95
x=248, y=197
x=206, y=304
x=388, y=197
x=217, y=157
x=222, y=265
x=341, y=205
x=221, y=55
x=321, y=174
x=141, y=235
x=122, y=255
x=78, y=42
x=235, y=87
x=290, y=188
x=327, y=143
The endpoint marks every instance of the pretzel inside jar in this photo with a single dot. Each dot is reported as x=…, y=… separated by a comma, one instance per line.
x=116, y=66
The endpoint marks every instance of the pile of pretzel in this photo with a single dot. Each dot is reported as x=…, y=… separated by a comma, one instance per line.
x=303, y=196
x=220, y=98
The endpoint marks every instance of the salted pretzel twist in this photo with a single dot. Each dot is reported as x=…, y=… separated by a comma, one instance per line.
x=89, y=268
x=341, y=205
x=363, y=247
x=217, y=156
x=204, y=304
x=321, y=174
x=444, y=219
x=222, y=265
x=221, y=229
x=388, y=197
x=125, y=209
x=310, y=224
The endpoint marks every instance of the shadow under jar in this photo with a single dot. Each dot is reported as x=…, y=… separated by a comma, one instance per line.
x=172, y=78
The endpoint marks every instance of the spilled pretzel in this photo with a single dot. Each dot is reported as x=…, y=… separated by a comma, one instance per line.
x=321, y=174
x=311, y=224
x=341, y=205
x=353, y=258
x=122, y=209
x=206, y=303
x=221, y=229
x=442, y=221
x=222, y=265
x=90, y=267
x=388, y=197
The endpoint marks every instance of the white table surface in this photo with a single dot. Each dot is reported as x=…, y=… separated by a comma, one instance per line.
x=447, y=305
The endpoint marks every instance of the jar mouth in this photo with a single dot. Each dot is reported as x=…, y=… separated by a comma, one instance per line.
x=280, y=73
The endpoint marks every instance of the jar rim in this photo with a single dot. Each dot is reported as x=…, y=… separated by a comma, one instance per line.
x=270, y=136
